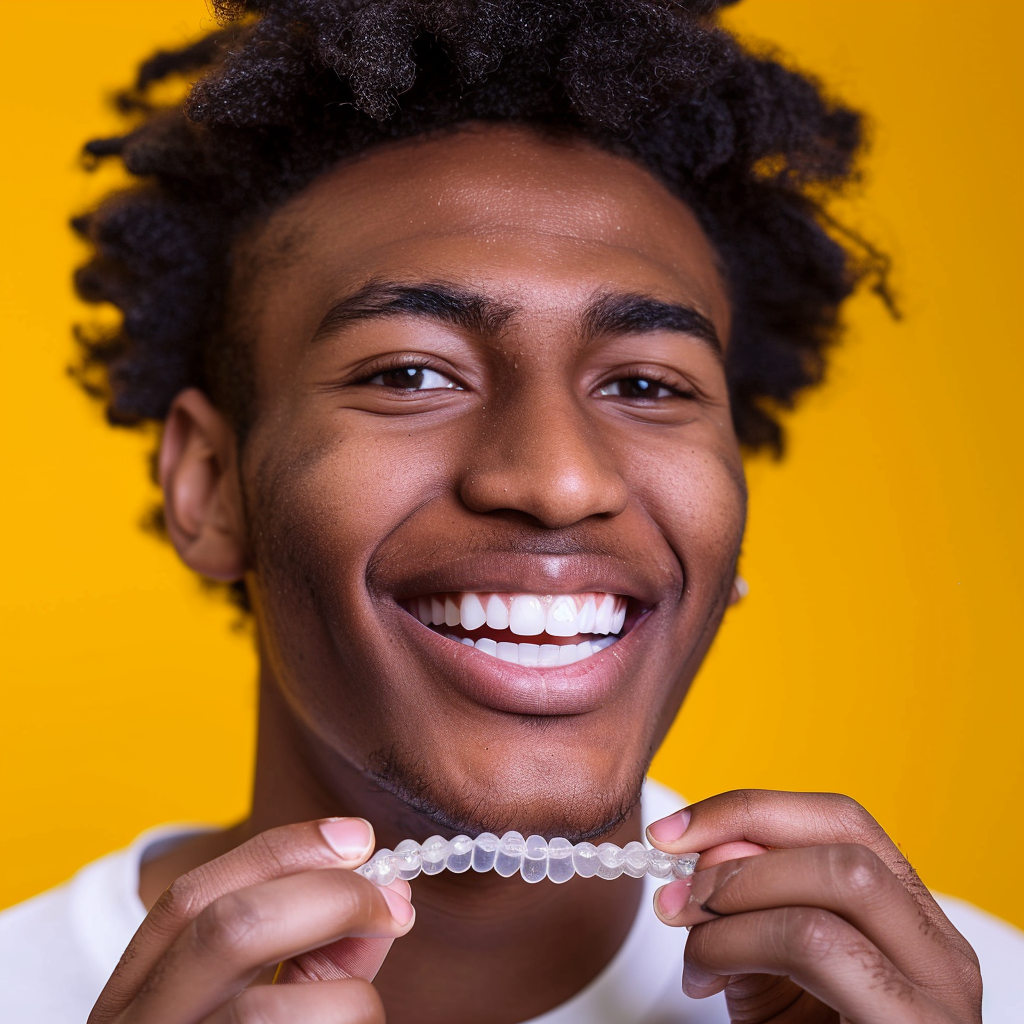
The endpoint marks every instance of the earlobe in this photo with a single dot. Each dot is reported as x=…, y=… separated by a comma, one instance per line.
x=198, y=472
x=740, y=589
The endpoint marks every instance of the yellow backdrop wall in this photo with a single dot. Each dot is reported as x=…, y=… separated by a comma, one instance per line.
x=878, y=651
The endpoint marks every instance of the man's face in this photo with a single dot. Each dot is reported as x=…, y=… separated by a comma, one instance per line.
x=493, y=492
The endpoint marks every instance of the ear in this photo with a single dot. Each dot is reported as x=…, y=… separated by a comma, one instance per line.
x=198, y=474
x=740, y=589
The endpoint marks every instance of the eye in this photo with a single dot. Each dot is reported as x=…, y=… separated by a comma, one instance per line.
x=413, y=378
x=642, y=388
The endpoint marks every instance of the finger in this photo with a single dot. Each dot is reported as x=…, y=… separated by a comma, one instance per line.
x=775, y=819
x=728, y=852
x=819, y=951
x=346, y=958
x=224, y=948
x=846, y=879
x=348, y=1001
x=331, y=843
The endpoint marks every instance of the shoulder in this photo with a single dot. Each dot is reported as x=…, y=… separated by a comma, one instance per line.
x=58, y=949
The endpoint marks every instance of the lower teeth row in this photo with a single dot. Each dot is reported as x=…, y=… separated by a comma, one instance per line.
x=544, y=655
x=534, y=859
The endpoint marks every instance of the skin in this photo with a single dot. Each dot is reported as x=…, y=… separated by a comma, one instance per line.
x=532, y=464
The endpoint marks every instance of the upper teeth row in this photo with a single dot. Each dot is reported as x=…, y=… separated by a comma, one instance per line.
x=525, y=614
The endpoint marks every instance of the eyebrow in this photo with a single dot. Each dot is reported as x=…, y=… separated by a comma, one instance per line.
x=608, y=314
x=443, y=303
x=642, y=314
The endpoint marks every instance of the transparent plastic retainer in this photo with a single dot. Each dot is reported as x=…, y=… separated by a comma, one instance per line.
x=534, y=859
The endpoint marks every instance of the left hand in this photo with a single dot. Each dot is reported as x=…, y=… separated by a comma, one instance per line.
x=804, y=911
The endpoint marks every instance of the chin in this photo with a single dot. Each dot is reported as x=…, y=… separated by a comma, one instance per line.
x=574, y=801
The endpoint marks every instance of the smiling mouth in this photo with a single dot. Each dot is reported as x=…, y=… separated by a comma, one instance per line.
x=567, y=627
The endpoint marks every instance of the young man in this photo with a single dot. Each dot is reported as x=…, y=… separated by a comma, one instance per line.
x=470, y=306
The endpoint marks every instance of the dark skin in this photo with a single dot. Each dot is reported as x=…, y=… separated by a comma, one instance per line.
x=500, y=373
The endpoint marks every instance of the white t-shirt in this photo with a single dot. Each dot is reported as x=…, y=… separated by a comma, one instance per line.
x=58, y=949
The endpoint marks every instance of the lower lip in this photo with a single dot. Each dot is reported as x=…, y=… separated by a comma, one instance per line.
x=573, y=689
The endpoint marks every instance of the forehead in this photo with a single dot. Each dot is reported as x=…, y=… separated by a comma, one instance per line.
x=520, y=216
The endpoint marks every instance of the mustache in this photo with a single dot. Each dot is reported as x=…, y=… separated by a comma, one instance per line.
x=499, y=556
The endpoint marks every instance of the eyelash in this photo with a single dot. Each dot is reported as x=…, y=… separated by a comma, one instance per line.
x=659, y=380
x=413, y=364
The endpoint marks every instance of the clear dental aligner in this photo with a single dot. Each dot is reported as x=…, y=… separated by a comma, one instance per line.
x=534, y=859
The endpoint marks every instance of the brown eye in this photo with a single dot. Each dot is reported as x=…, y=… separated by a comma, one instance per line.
x=412, y=378
x=642, y=388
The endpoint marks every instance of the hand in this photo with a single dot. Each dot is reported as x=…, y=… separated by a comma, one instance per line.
x=803, y=910
x=290, y=894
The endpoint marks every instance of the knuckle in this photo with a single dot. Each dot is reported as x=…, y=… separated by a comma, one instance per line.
x=810, y=933
x=227, y=924
x=745, y=804
x=973, y=963
x=276, y=846
x=968, y=980
x=850, y=819
x=747, y=800
x=179, y=902
x=856, y=871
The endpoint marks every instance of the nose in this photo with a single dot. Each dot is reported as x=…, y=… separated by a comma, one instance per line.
x=540, y=456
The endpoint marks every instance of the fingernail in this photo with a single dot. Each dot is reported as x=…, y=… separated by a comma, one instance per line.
x=401, y=909
x=672, y=898
x=669, y=829
x=349, y=838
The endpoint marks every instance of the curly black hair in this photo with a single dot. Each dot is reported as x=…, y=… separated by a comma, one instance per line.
x=286, y=88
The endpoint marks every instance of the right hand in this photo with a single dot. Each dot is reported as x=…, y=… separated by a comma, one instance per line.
x=284, y=896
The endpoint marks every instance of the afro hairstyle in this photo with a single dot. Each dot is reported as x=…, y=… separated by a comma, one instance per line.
x=284, y=89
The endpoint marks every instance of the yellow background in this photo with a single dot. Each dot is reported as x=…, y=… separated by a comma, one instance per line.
x=879, y=650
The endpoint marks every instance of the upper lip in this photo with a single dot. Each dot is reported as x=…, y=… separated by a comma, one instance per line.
x=529, y=573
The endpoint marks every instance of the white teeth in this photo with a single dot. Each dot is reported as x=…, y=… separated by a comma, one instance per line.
x=562, y=615
x=567, y=654
x=534, y=655
x=619, y=619
x=526, y=616
x=472, y=612
x=562, y=618
x=588, y=615
x=548, y=655
x=508, y=652
x=497, y=613
x=529, y=654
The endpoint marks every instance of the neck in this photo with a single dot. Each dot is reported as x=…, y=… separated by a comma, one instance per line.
x=476, y=937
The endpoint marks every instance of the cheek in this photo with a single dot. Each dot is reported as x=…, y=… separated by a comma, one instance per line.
x=696, y=495
x=321, y=505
